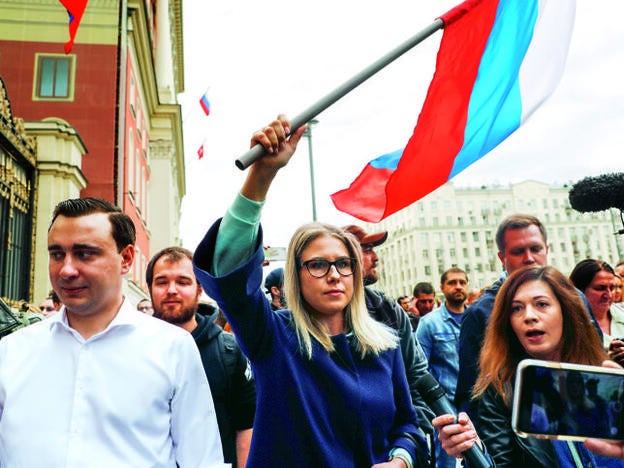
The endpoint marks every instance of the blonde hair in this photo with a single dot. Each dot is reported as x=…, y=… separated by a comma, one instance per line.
x=371, y=336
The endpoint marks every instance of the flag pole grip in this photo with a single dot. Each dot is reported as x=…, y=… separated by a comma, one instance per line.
x=256, y=152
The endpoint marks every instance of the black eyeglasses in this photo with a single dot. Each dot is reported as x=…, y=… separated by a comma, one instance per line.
x=319, y=267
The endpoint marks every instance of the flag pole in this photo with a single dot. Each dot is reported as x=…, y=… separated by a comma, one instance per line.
x=258, y=151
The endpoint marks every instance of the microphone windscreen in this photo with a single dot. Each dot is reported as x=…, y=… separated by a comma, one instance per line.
x=598, y=193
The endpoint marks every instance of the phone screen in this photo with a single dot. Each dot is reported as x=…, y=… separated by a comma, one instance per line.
x=567, y=401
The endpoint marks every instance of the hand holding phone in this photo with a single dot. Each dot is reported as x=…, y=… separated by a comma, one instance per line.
x=616, y=350
x=568, y=401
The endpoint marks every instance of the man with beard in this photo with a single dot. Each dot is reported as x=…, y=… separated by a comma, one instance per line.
x=175, y=293
x=438, y=334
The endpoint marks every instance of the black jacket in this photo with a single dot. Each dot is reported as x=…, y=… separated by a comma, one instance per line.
x=505, y=447
x=387, y=311
x=230, y=378
x=471, y=337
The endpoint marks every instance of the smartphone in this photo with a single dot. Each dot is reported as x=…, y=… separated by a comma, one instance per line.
x=555, y=400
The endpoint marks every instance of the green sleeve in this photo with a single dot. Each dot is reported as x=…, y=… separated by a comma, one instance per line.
x=237, y=236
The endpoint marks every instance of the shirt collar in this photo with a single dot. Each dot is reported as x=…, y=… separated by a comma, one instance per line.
x=126, y=316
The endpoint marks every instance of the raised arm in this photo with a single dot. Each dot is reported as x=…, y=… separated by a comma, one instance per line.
x=280, y=146
x=236, y=239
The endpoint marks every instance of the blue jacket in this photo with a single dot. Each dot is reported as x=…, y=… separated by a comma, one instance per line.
x=319, y=412
x=438, y=334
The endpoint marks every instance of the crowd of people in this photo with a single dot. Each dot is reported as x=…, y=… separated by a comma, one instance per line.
x=320, y=369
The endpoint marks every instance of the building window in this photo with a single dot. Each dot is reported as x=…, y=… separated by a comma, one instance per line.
x=131, y=167
x=132, y=96
x=54, y=77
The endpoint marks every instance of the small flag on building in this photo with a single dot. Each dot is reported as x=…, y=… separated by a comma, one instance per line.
x=75, y=10
x=205, y=104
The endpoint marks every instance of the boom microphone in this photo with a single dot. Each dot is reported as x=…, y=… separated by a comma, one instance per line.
x=598, y=193
x=436, y=399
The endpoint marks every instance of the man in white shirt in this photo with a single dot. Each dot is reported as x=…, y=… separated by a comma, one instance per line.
x=100, y=384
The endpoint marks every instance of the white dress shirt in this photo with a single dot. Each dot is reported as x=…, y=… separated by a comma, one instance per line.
x=134, y=395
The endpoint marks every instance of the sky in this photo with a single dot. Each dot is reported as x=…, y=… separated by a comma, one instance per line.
x=259, y=59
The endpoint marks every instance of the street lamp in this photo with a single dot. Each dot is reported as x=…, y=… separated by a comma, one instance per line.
x=308, y=135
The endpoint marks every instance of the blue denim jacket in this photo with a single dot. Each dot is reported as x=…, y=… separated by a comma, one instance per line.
x=438, y=334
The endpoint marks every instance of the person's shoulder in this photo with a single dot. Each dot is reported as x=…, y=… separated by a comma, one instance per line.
x=617, y=314
x=430, y=319
x=437, y=314
x=30, y=332
x=377, y=299
x=617, y=311
x=484, y=305
x=373, y=297
x=229, y=341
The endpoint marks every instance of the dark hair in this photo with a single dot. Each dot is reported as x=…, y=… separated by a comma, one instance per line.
x=585, y=270
x=401, y=298
x=424, y=288
x=175, y=254
x=123, y=230
x=501, y=351
x=517, y=221
x=452, y=270
x=54, y=297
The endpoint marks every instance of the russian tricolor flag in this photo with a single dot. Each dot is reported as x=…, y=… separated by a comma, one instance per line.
x=204, y=103
x=75, y=10
x=498, y=61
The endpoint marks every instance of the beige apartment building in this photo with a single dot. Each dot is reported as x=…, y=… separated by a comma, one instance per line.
x=456, y=226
